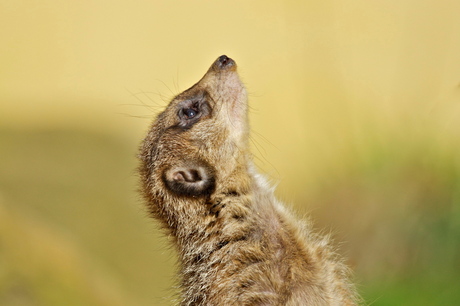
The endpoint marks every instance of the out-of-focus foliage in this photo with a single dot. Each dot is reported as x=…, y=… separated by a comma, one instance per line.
x=355, y=113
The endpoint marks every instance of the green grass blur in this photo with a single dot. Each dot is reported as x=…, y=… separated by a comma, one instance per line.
x=354, y=108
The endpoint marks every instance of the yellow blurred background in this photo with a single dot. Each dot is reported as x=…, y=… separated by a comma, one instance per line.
x=355, y=111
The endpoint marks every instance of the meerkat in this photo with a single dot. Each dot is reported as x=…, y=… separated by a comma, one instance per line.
x=236, y=243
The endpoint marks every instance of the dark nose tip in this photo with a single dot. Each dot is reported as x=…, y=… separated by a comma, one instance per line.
x=225, y=62
x=223, y=59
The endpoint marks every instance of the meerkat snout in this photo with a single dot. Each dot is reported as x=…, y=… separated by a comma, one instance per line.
x=190, y=180
x=224, y=62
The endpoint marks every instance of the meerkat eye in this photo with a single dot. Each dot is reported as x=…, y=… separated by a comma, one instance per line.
x=189, y=113
x=192, y=111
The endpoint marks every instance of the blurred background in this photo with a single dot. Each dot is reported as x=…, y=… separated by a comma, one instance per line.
x=355, y=111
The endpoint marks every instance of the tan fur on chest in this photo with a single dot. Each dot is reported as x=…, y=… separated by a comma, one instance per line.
x=237, y=244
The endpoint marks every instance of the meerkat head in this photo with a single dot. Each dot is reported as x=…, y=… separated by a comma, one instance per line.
x=200, y=136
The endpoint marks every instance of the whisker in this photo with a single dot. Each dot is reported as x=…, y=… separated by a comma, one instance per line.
x=135, y=116
x=165, y=85
x=264, y=139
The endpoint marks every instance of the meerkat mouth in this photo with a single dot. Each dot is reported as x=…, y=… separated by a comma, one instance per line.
x=224, y=62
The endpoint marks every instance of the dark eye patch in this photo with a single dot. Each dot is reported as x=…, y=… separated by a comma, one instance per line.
x=191, y=111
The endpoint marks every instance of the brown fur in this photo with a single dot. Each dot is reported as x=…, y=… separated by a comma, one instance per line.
x=237, y=244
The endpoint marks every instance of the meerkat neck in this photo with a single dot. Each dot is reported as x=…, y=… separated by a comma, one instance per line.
x=229, y=215
x=217, y=213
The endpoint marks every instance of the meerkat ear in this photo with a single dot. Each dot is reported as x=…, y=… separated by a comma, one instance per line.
x=192, y=180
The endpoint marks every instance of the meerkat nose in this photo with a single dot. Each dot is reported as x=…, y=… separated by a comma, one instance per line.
x=223, y=59
x=224, y=62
